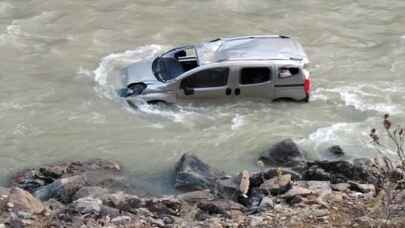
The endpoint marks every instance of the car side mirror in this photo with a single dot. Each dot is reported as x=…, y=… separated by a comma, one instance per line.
x=188, y=91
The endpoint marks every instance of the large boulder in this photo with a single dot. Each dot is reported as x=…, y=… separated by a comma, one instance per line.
x=339, y=172
x=192, y=174
x=20, y=200
x=61, y=189
x=285, y=153
x=336, y=151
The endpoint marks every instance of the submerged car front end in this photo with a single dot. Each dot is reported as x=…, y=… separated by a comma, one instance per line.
x=143, y=83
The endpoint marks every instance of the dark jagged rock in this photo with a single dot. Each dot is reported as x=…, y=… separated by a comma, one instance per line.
x=337, y=172
x=91, y=191
x=222, y=207
x=193, y=174
x=336, y=150
x=285, y=153
x=363, y=188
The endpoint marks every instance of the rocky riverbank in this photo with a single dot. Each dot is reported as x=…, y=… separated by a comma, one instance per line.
x=288, y=191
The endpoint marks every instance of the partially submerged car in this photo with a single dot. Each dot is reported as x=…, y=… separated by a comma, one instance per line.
x=267, y=66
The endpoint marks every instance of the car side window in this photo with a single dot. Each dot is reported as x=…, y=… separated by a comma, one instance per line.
x=287, y=72
x=254, y=75
x=215, y=77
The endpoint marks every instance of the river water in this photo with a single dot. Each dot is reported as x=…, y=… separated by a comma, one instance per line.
x=59, y=63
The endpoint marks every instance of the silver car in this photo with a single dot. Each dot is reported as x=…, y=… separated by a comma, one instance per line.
x=268, y=66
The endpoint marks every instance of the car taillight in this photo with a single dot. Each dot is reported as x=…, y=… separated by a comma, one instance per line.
x=307, y=83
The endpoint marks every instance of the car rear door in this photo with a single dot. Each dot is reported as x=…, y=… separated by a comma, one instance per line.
x=255, y=82
x=212, y=83
x=289, y=82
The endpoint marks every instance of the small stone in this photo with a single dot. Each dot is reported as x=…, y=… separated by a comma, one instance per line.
x=10, y=205
x=196, y=196
x=24, y=215
x=87, y=205
x=320, y=213
x=2, y=225
x=121, y=220
x=341, y=187
x=363, y=188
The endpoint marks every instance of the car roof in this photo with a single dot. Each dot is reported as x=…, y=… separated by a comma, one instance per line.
x=247, y=48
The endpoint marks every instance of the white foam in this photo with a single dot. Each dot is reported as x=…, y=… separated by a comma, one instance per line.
x=110, y=65
x=355, y=96
x=403, y=37
x=237, y=122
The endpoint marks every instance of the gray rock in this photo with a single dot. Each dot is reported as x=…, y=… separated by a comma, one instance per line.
x=196, y=196
x=319, y=187
x=91, y=191
x=123, y=201
x=266, y=203
x=341, y=187
x=121, y=220
x=87, y=205
x=61, y=189
x=284, y=153
x=277, y=185
x=192, y=174
x=228, y=188
x=295, y=194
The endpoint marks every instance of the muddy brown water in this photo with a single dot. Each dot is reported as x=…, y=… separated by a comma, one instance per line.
x=58, y=64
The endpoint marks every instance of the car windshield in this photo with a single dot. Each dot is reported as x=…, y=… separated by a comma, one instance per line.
x=174, y=63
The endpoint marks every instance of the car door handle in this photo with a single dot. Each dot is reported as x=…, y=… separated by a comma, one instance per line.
x=228, y=91
x=237, y=91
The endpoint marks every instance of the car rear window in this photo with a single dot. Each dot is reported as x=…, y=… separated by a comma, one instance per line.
x=215, y=77
x=254, y=75
x=286, y=72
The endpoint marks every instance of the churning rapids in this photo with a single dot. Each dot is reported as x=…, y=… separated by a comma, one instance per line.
x=58, y=77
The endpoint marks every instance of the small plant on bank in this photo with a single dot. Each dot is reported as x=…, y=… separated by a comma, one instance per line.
x=392, y=177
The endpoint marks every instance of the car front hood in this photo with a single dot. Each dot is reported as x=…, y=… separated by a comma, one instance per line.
x=140, y=72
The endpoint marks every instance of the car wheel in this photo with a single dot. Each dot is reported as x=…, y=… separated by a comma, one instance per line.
x=158, y=103
x=136, y=88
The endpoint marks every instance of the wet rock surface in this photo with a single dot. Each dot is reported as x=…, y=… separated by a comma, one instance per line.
x=94, y=194
x=284, y=153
